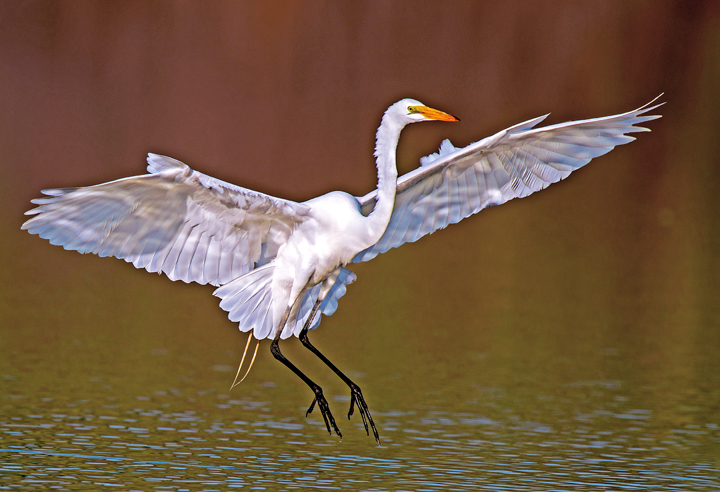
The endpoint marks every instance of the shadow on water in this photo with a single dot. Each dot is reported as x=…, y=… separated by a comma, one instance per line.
x=566, y=341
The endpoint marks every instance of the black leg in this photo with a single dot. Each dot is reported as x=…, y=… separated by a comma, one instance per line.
x=355, y=392
x=319, y=398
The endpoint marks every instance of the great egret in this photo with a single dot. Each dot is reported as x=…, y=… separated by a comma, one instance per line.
x=277, y=262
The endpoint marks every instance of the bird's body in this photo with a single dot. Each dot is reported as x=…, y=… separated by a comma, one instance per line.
x=276, y=262
x=333, y=234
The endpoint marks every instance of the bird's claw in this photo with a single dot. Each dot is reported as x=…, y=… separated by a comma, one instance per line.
x=325, y=410
x=352, y=408
x=312, y=405
x=357, y=397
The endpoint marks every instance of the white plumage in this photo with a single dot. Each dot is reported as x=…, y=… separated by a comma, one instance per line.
x=196, y=228
x=457, y=182
x=276, y=262
x=190, y=226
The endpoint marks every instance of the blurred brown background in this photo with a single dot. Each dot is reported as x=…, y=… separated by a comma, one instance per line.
x=285, y=97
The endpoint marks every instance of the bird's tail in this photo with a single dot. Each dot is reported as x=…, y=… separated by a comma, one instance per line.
x=248, y=301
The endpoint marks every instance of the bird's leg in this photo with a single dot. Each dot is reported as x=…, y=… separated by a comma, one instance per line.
x=355, y=392
x=319, y=397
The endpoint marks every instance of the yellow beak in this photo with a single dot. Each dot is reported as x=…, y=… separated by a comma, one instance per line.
x=432, y=114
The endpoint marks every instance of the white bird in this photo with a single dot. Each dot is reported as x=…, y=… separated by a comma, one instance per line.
x=277, y=262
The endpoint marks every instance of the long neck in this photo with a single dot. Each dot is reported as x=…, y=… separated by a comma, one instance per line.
x=385, y=146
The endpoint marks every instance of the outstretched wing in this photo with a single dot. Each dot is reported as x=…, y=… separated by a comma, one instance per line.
x=456, y=183
x=175, y=220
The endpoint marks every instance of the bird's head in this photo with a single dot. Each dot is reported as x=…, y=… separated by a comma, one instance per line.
x=412, y=111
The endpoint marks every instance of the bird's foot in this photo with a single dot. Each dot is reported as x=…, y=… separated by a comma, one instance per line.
x=325, y=410
x=357, y=397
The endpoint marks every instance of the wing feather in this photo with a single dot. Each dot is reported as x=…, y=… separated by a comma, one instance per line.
x=175, y=220
x=457, y=182
x=199, y=257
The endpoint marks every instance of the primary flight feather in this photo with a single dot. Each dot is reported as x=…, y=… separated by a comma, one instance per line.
x=277, y=263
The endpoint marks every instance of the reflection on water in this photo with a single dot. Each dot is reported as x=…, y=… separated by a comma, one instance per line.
x=587, y=436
